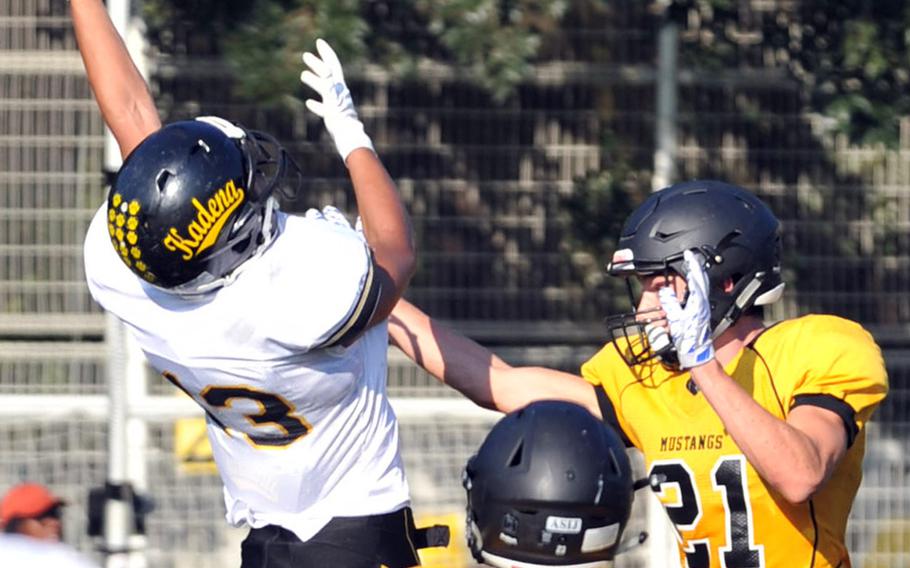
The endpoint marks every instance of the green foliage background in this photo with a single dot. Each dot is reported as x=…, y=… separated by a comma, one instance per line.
x=851, y=57
x=846, y=60
x=493, y=42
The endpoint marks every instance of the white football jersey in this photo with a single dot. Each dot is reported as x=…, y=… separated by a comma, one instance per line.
x=300, y=434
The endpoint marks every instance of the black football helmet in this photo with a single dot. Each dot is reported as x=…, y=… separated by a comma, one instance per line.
x=732, y=229
x=194, y=201
x=551, y=485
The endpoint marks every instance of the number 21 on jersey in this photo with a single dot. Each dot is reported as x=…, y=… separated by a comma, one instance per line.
x=728, y=477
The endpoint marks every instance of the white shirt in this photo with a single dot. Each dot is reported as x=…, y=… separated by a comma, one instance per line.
x=299, y=434
x=17, y=550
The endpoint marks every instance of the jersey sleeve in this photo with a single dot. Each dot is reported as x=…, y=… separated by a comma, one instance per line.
x=93, y=256
x=599, y=371
x=325, y=287
x=358, y=317
x=845, y=374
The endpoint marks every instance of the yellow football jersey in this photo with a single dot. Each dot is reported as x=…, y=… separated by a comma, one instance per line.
x=725, y=514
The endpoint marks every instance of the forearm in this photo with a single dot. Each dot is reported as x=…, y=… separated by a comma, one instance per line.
x=452, y=358
x=122, y=94
x=475, y=371
x=784, y=456
x=386, y=225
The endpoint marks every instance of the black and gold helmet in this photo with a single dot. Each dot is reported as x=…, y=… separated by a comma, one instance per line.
x=194, y=201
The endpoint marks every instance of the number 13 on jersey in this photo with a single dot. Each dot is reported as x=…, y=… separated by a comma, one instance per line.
x=273, y=424
x=728, y=478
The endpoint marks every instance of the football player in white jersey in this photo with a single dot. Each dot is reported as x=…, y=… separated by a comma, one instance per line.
x=274, y=324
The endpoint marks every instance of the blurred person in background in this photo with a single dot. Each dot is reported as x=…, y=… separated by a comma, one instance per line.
x=753, y=434
x=24, y=552
x=30, y=509
x=275, y=324
x=30, y=518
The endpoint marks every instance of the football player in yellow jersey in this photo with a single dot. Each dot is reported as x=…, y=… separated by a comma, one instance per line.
x=752, y=434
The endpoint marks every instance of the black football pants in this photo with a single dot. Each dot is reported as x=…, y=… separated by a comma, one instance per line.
x=346, y=542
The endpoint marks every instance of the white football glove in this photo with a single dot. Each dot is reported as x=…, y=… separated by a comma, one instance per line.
x=329, y=213
x=690, y=327
x=333, y=215
x=337, y=107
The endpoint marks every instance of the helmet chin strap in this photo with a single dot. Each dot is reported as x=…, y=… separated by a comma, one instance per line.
x=268, y=231
x=736, y=309
x=268, y=235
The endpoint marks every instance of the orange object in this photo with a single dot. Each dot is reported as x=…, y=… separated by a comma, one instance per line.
x=27, y=501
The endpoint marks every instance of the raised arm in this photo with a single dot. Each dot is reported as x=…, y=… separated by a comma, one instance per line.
x=386, y=225
x=122, y=94
x=475, y=371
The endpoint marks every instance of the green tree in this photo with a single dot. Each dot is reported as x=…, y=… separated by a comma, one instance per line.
x=492, y=42
x=850, y=57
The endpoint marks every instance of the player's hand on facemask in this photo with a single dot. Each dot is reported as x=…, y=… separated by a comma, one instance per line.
x=337, y=107
x=690, y=326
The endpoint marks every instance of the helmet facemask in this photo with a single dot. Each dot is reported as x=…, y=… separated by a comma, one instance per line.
x=641, y=335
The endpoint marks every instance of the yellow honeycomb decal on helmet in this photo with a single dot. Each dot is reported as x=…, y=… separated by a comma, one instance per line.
x=120, y=215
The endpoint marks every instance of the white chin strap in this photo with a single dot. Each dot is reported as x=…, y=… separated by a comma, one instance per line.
x=769, y=297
